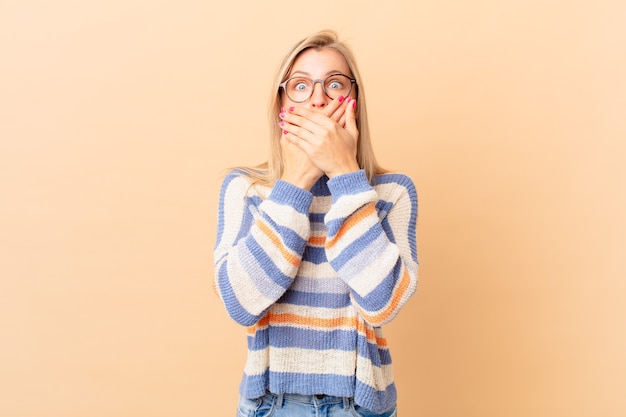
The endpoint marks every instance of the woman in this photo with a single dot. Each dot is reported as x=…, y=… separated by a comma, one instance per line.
x=316, y=248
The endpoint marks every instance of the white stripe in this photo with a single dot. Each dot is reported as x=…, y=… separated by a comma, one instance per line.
x=356, y=231
x=285, y=215
x=306, y=361
x=365, y=277
x=377, y=377
x=257, y=361
x=321, y=204
x=316, y=312
x=348, y=204
x=233, y=212
x=245, y=290
x=273, y=252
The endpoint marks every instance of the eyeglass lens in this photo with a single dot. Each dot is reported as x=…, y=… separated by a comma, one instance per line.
x=299, y=89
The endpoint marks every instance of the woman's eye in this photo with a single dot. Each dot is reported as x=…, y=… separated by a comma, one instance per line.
x=334, y=85
x=301, y=86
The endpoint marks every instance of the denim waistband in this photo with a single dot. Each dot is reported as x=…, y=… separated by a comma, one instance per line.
x=316, y=400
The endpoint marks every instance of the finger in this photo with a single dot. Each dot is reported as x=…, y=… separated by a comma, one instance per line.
x=335, y=104
x=311, y=120
x=338, y=113
x=295, y=132
x=298, y=142
x=350, y=123
x=348, y=105
x=306, y=122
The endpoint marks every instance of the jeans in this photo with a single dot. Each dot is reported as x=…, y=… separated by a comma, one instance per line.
x=295, y=405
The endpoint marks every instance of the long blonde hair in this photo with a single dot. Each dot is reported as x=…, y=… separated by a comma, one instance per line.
x=268, y=172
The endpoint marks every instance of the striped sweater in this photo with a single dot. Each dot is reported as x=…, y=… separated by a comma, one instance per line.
x=313, y=276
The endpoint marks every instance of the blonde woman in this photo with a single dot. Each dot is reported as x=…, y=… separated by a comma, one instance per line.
x=316, y=248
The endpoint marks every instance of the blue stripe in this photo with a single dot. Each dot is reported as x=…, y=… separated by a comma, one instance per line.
x=289, y=237
x=353, y=250
x=262, y=283
x=317, y=217
x=387, y=229
x=383, y=207
x=310, y=384
x=371, y=351
x=320, y=188
x=334, y=225
x=254, y=386
x=294, y=337
x=287, y=194
x=372, y=399
x=349, y=184
x=259, y=341
x=314, y=254
x=406, y=182
x=267, y=264
x=220, y=220
x=254, y=200
x=234, y=308
x=316, y=299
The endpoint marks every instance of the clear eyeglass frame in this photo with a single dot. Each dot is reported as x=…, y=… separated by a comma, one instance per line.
x=283, y=85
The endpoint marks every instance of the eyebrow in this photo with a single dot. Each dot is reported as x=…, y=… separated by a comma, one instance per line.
x=331, y=72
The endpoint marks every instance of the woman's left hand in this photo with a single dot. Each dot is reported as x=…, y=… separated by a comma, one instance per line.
x=330, y=145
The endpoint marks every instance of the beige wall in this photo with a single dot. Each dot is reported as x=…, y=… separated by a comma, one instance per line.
x=117, y=119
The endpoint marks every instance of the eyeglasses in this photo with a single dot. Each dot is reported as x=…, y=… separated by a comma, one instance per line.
x=300, y=89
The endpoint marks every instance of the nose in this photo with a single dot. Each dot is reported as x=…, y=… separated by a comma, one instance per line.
x=318, y=99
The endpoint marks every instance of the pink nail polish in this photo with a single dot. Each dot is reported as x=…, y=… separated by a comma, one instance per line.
x=285, y=132
x=348, y=99
x=291, y=109
x=281, y=123
x=282, y=115
x=353, y=104
x=340, y=99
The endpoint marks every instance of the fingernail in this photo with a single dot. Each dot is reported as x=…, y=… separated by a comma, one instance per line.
x=348, y=99
x=281, y=123
x=282, y=115
x=285, y=132
x=353, y=104
x=340, y=99
x=282, y=110
x=291, y=108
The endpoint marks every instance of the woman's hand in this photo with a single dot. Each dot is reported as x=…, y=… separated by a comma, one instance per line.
x=329, y=138
x=297, y=166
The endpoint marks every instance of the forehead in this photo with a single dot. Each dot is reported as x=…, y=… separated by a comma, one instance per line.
x=318, y=62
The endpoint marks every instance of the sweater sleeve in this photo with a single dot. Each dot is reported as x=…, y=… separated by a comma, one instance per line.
x=259, y=245
x=371, y=242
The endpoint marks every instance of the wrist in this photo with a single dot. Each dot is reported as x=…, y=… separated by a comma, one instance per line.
x=347, y=169
x=300, y=181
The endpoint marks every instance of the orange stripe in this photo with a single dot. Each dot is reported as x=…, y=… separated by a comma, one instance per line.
x=350, y=223
x=317, y=240
x=395, y=301
x=313, y=321
x=289, y=257
x=263, y=322
x=369, y=333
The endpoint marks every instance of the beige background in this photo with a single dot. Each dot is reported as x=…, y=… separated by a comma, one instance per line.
x=117, y=119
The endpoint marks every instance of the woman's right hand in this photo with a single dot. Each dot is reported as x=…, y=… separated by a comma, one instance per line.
x=297, y=166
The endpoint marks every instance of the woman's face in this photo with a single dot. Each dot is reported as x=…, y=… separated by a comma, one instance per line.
x=317, y=64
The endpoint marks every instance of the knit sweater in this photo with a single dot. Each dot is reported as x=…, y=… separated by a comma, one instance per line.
x=314, y=275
